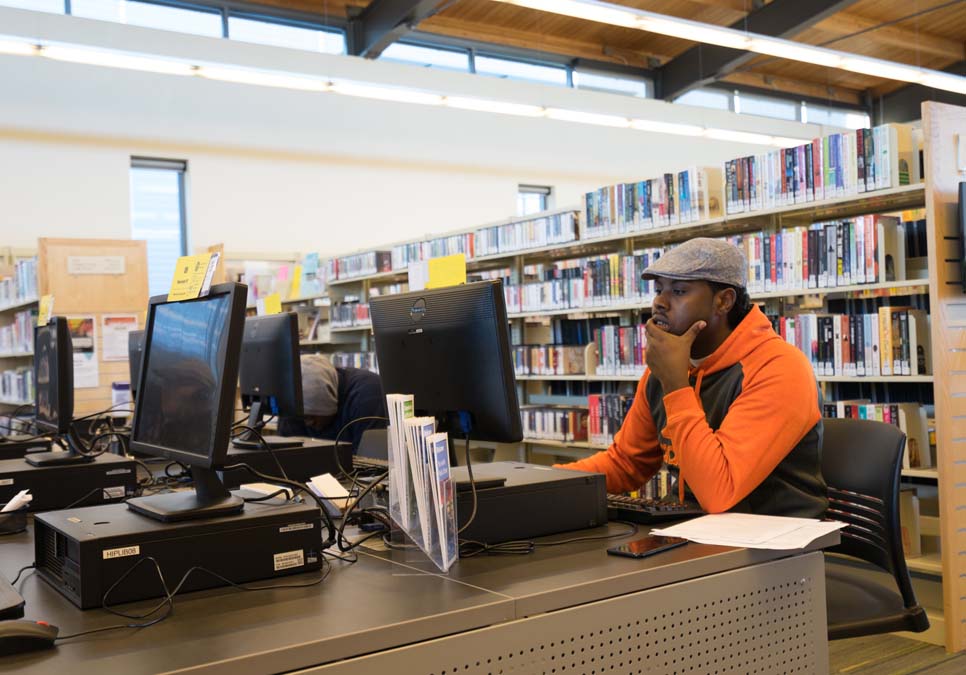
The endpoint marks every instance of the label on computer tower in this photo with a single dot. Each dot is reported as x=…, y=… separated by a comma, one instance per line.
x=117, y=472
x=122, y=552
x=6, y=481
x=288, y=560
x=295, y=527
x=114, y=492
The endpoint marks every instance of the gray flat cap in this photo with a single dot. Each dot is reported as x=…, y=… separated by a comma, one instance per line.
x=320, y=386
x=702, y=259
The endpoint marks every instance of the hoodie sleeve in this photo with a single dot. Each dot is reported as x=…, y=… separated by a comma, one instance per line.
x=635, y=454
x=777, y=406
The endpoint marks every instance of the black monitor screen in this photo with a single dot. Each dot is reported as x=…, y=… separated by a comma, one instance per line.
x=269, y=368
x=54, y=376
x=135, y=346
x=182, y=378
x=450, y=348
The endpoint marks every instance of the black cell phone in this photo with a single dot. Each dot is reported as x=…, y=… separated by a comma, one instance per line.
x=649, y=545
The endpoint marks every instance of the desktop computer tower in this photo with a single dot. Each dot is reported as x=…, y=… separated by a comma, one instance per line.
x=533, y=501
x=312, y=459
x=83, y=552
x=107, y=478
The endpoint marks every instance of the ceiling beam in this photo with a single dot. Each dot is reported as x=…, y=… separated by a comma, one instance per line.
x=904, y=104
x=847, y=23
x=785, y=87
x=703, y=64
x=383, y=22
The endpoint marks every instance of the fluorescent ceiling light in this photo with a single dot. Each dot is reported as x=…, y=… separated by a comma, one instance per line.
x=96, y=57
x=265, y=79
x=667, y=127
x=740, y=136
x=618, y=15
x=491, y=106
x=398, y=95
x=18, y=47
x=565, y=115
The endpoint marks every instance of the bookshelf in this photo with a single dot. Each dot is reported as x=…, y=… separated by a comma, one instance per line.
x=18, y=310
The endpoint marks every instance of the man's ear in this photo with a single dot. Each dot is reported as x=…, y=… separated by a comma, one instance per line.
x=724, y=300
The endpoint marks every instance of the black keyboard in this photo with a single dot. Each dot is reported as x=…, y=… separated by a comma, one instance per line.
x=370, y=463
x=646, y=511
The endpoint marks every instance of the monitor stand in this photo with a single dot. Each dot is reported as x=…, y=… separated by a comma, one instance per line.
x=72, y=455
x=249, y=441
x=209, y=499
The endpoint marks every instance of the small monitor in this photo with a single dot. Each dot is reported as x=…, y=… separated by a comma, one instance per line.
x=189, y=371
x=135, y=346
x=270, y=375
x=450, y=349
x=54, y=376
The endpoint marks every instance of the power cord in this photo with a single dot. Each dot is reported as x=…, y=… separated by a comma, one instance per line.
x=338, y=437
x=242, y=428
x=21, y=571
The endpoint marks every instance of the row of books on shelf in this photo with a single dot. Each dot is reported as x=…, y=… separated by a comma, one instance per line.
x=604, y=414
x=18, y=336
x=596, y=281
x=549, y=359
x=891, y=342
x=674, y=198
x=349, y=314
x=619, y=350
x=519, y=235
x=361, y=360
x=862, y=250
x=838, y=165
x=21, y=283
x=911, y=418
x=17, y=384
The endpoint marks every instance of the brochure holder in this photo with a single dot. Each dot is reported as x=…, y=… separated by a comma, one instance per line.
x=422, y=500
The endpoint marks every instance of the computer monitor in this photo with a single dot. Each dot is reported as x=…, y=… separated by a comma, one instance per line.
x=189, y=371
x=270, y=374
x=54, y=393
x=450, y=349
x=135, y=347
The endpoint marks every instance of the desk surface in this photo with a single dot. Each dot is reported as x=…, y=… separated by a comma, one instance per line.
x=382, y=601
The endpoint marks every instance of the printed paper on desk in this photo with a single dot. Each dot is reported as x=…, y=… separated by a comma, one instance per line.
x=449, y=270
x=46, y=310
x=192, y=276
x=751, y=531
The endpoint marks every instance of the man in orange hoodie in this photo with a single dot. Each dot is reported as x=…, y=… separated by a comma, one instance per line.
x=730, y=407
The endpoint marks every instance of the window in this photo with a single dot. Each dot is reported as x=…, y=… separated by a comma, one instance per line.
x=158, y=216
x=285, y=35
x=55, y=6
x=707, y=98
x=835, y=117
x=610, y=83
x=518, y=70
x=532, y=199
x=150, y=15
x=767, y=106
x=427, y=56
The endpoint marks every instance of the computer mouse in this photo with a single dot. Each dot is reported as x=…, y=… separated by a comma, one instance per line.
x=22, y=635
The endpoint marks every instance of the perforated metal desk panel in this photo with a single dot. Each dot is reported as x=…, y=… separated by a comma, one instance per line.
x=565, y=609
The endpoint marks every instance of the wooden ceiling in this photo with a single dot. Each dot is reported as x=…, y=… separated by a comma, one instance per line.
x=928, y=33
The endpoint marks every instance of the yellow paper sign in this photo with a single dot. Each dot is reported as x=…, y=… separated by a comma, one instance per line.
x=272, y=304
x=296, y=288
x=447, y=271
x=192, y=276
x=46, y=310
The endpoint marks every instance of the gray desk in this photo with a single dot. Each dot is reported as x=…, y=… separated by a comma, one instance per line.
x=568, y=606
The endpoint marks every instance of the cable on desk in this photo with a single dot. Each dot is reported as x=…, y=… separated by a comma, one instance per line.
x=242, y=428
x=21, y=571
x=79, y=501
x=338, y=437
x=470, y=548
x=633, y=529
x=348, y=512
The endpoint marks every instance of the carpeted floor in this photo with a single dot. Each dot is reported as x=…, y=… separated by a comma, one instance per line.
x=892, y=655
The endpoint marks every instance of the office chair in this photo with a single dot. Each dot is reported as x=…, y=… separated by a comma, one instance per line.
x=861, y=462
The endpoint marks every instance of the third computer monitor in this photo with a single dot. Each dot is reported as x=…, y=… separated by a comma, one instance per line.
x=54, y=376
x=450, y=348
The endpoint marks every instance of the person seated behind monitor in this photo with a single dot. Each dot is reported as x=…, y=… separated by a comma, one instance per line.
x=333, y=397
x=725, y=402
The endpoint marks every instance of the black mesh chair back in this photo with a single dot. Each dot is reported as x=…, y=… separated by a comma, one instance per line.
x=862, y=464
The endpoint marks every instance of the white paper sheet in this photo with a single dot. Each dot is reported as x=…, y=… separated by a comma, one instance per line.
x=751, y=531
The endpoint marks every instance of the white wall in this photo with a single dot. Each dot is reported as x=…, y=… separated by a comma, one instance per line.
x=278, y=170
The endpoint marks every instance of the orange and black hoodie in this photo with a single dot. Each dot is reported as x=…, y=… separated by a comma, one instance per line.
x=745, y=436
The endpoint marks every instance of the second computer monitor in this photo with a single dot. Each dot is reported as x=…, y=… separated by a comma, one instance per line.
x=135, y=347
x=54, y=376
x=450, y=348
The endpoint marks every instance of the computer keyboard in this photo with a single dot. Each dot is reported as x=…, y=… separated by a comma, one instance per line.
x=646, y=511
x=370, y=463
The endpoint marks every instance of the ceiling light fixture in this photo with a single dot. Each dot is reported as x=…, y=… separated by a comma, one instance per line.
x=492, y=106
x=110, y=59
x=398, y=95
x=264, y=79
x=17, y=47
x=618, y=15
